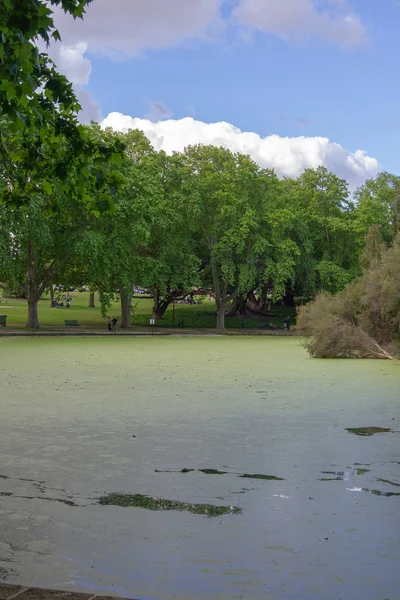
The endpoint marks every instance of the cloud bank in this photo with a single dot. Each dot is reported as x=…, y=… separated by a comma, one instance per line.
x=288, y=156
x=299, y=20
x=128, y=28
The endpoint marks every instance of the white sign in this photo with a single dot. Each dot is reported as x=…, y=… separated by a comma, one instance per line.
x=152, y=322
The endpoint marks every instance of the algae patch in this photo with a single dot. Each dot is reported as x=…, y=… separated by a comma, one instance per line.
x=260, y=476
x=367, y=431
x=388, y=481
x=161, y=504
x=218, y=472
x=212, y=472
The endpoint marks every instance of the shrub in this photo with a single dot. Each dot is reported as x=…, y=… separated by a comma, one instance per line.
x=363, y=320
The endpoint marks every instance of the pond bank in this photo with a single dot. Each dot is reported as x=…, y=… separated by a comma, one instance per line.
x=9, y=592
x=140, y=332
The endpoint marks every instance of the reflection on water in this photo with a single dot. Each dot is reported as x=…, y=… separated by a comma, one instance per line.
x=375, y=492
x=357, y=472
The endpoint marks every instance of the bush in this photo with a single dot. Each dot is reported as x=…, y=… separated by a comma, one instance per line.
x=362, y=321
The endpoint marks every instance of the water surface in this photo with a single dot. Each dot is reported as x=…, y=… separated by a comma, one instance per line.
x=182, y=420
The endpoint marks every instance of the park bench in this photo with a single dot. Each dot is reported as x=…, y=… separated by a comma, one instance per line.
x=72, y=323
x=3, y=320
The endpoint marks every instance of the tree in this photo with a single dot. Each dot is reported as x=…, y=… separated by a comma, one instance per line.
x=224, y=200
x=378, y=203
x=330, y=260
x=116, y=249
x=42, y=236
x=173, y=266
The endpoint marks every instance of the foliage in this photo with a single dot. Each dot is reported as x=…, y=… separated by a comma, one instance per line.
x=31, y=90
x=228, y=197
x=364, y=319
x=378, y=203
x=40, y=237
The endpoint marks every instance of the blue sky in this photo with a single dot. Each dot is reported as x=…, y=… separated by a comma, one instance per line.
x=287, y=68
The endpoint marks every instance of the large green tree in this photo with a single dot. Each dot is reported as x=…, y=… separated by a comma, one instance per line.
x=322, y=202
x=116, y=249
x=225, y=200
x=42, y=236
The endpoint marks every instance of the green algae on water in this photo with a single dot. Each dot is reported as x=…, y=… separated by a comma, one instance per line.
x=367, y=431
x=159, y=504
x=212, y=472
x=380, y=493
x=260, y=476
x=388, y=481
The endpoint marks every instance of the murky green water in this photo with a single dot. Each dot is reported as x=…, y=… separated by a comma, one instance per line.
x=180, y=421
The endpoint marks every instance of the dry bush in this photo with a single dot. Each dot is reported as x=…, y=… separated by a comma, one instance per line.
x=362, y=321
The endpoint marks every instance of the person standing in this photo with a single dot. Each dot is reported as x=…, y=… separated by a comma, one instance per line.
x=286, y=323
x=109, y=324
x=114, y=323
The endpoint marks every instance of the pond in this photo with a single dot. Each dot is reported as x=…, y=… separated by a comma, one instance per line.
x=201, y=468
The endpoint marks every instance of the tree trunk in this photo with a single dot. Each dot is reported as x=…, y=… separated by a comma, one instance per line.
x=126, y=308
x=33, y=316
x=159, y=309
x=33, y=294
x=160, y=304
x=221, y=318
x=52, y=297
x=91, y=300
x=238, y=308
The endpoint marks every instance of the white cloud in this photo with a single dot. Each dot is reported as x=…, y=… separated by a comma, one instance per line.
x=299, y=20
x=121, y=28
x=125, y=27
x=73, y=63
x=288, y=156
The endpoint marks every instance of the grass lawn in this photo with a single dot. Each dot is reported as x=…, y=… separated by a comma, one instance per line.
x=195, y=316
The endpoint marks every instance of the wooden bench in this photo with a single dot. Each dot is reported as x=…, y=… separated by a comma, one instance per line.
x=69, y=323
x=3, y=320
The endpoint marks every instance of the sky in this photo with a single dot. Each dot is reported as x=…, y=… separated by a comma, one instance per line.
x=293, y=83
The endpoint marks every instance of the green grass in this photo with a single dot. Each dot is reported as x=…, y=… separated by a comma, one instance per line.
x=195, y=316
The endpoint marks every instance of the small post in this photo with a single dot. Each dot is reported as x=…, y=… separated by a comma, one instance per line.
x=173, y=310
x=152, y=321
